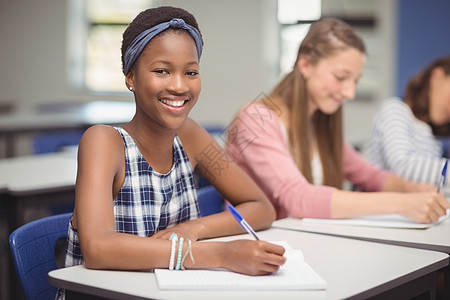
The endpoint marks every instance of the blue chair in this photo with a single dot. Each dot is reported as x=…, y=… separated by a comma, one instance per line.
x=55, y=141
x=210, y=201
x=33, y=253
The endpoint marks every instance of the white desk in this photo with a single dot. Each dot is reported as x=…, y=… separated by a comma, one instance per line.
x=67, y=115
x=352, y=269
x=63, y=116
x=34, y=180
x=434, y=238
x=26, y=175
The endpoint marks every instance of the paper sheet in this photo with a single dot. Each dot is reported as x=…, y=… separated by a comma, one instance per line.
x=391, y=221
x=295, y=274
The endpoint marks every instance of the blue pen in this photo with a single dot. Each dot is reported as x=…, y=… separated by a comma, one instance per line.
x=443, y=176
x=247, y=228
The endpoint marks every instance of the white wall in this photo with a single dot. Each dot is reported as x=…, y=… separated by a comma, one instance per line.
x=239, y=60
x=234, y=68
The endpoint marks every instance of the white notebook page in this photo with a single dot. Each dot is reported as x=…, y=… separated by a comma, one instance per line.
x=390, y=221
x=295, y=274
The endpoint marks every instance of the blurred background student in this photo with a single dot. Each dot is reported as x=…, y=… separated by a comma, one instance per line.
x=407, y=135
x=291, y=142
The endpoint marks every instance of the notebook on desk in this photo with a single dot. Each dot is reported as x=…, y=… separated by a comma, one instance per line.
x=389, y=221
x=295, y=274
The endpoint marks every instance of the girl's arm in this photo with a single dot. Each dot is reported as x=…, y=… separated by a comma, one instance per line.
x=210, y=159
x=372, y=179
x=100, y=173
x=420, y=207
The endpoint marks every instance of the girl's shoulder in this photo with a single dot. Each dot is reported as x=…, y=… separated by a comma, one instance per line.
x=394, y=109
x=394, y=104
x=99, y=134
x=101, y=138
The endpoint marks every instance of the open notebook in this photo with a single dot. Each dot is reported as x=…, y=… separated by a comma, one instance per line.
x=391, y=221
x=295, y=274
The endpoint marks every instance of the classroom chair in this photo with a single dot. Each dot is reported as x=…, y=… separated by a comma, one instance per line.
x=210, y=201
x=34, y=254
x=55, y=141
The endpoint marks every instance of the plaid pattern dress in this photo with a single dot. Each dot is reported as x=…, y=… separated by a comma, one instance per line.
x=148, y=201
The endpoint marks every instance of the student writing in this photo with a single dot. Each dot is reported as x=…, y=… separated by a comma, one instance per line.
x=136, y=205
x=291, y=142
x=405, y=134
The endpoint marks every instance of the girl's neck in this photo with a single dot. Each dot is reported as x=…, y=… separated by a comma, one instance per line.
x=155, y=143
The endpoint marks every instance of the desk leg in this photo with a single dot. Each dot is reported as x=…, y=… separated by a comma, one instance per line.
x=444, y=294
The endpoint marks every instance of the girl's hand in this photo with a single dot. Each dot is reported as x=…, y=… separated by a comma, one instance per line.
x=252, y=257
x=424, y=207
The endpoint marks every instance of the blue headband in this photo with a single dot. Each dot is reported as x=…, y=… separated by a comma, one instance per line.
x=137, y=46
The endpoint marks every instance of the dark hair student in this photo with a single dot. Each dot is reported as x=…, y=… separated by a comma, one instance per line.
x=136, y=204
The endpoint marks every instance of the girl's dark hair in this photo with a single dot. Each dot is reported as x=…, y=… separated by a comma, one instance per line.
x=417, y=94
x=152, y=17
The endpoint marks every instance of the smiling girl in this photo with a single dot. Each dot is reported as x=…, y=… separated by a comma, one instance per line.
x=135, y=196
x=291, y=142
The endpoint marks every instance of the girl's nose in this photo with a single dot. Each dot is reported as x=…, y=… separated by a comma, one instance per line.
x=349, y=90
x=177, y=84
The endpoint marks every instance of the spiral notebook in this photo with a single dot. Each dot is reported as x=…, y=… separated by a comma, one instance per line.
x=295, y=274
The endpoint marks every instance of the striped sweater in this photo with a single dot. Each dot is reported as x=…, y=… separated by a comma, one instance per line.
x=401, y=143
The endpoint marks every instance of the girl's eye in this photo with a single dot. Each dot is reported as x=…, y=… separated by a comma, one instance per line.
x=192, y=73
x=340, y=78
x=161, y=71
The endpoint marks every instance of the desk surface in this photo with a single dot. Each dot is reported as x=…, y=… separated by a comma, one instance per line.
x=331, y=257
x=435, y=238
x=38, y=173
x=67, y=115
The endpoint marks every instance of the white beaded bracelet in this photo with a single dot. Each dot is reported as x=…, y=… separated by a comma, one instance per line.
x=174, y=239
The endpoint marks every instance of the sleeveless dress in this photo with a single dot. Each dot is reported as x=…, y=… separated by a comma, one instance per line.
x=148, y=200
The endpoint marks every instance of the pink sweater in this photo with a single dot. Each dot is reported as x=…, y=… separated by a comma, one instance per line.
x=257, y=144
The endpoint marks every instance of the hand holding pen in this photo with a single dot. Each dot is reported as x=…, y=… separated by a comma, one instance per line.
x=270, y=256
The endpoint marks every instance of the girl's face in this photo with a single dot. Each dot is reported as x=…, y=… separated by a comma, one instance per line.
x=166, y=80
x=439, y=97
x=332, y=80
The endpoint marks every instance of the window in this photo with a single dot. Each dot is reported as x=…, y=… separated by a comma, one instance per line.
x=295, y=17
x=95, y=37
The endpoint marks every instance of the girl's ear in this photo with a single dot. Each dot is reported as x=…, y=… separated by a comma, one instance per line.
x=129, y=80
x=304, y=66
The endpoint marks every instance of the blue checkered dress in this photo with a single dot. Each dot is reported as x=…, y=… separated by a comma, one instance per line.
x=148, y=201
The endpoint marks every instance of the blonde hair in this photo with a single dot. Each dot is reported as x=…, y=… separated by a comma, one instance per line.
x=324, y=38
